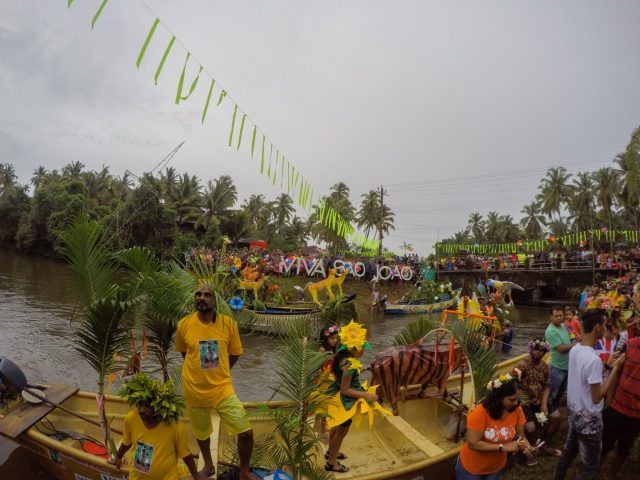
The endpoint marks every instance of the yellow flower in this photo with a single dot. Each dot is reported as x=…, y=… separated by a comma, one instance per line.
x=353, y=335
x=502, y=378
x=237, y=262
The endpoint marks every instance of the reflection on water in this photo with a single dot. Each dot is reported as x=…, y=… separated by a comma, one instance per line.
x=36, y=306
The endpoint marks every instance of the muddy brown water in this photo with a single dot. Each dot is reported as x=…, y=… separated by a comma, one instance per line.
x=36, y=305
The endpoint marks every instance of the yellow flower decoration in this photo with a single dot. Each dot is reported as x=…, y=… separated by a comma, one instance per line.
x=502, y=378
x=353, y=336
x=237, y=262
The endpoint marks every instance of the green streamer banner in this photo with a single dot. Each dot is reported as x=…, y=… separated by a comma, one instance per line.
x=98, y=13
x=143, y=50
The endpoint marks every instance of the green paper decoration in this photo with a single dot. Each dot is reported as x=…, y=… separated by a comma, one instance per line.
x=206, y=104
x=143, y=50
x=179, y=96
x=244, y=117
x=253, y=140
x=164, y=59
x=98, y=13
x=233, y=123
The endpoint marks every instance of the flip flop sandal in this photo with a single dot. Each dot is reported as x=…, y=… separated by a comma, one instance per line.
x=341, y=456
x=340, y=468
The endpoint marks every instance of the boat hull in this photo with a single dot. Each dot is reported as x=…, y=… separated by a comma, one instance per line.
x=415, y=445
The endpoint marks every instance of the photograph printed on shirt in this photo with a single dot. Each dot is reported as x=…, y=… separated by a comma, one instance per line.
x=143, y=457
x=209, y=354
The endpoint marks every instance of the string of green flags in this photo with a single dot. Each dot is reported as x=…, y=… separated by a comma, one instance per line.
x=581, y=239
x=243, y=131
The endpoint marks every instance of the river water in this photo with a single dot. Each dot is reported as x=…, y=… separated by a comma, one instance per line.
x=36, y=332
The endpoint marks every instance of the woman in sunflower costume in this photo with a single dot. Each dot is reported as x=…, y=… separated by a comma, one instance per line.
x=349, y=399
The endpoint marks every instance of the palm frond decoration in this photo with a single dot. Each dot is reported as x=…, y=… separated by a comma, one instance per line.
x=221, y=283
x=415, y=331
x=104, y=331
x=298, y=367
x=250, y=321
x=93, y=272
x=337, y=311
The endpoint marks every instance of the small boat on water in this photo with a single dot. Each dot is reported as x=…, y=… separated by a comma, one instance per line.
x=420, y=306
x=416, y=444
x=278, y=321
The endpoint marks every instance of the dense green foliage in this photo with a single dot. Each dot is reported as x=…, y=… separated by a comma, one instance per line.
x=169, y=213
x=608, y=197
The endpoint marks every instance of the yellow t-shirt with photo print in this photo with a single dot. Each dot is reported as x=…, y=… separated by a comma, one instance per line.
x=206, y=374
x=154, y=453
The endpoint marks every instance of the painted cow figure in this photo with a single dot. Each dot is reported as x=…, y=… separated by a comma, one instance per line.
x=415, y=364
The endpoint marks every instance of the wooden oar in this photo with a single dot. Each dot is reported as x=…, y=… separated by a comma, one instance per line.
x=36, y=394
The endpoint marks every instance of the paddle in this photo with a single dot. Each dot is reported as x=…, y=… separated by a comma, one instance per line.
x=42, y=398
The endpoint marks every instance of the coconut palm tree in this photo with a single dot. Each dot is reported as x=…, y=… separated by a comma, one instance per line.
x=283, y=210
x=582, y=203
x=629, y=197
x=607, y=183
x=39, y=175
x=533, y=221
x=370, y=217
x=491, y=227
x=72, y=170
x=555, y=191
x=235, y=225
x=187, y=198
x=507, y=231
x=476, y=226
x=8, y=178
x=169, y=183
x=219, y=196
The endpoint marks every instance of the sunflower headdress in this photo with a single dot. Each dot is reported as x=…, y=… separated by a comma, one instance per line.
x=162, y=397
x=515, y=374
x=353, y=337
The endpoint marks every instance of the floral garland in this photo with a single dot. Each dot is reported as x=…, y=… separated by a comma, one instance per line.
x=515, y=374
x=607, y=302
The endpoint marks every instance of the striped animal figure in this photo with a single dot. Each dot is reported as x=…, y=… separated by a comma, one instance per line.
x=414, y=364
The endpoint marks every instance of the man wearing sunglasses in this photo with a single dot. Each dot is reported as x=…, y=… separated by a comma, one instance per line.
x=210, y=345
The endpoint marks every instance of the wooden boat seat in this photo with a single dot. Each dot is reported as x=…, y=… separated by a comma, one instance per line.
x=415, y=437
x=26, y=414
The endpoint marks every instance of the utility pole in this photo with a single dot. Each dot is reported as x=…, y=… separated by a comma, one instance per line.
x=382, y=194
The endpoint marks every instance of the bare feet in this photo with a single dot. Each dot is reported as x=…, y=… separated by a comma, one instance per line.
x=207, y=471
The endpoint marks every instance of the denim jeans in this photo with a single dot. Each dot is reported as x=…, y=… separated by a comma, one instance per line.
x=462, y=474
x=558, y=387
x=589, y=447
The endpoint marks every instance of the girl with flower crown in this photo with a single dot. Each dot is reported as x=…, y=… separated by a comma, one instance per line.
x=329, y=342
x=350, y=399
x=494, y=428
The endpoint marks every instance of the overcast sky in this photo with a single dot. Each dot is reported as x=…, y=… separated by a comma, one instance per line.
x=438, y=100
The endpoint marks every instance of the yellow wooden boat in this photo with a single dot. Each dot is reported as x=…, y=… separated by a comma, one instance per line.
x=415, y=445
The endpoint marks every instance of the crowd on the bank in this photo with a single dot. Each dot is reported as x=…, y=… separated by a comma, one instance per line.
x=592, y=383
x=581, y=258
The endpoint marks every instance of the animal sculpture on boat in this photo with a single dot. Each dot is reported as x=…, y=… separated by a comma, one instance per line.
x=415, y=364
x=340, y=280
x=314, y=287
x=250, y=274
x=252, y=285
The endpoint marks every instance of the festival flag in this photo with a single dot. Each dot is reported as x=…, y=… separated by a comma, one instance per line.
x=98, y=13
x=164, y=59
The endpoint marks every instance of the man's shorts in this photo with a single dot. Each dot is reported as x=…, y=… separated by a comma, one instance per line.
x=232, y=415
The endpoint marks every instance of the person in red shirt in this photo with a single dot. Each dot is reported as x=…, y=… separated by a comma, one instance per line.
x=572, y=323
x=622, y=418
x=494, y=428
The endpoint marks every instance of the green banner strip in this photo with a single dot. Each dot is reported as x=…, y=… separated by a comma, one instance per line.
x=275, y=170
x=69, y=2
x=270, y=157
x=233, y=123
x=164, y=59
x=143, y=50
x=206, y=104
x=244, y=117
x=98, y=13
x=179, y=96
x=223, y=94
x=253, y=140
x=262, y=161
x=181, y=81
x=282, y=172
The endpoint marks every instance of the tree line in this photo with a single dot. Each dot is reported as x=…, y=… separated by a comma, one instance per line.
x=169, y=212
x=566, y=202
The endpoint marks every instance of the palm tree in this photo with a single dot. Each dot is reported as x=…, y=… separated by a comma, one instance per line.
x=235, y=225
x=608, y=189
x=476, y=225
x=39, y=174
x=628, y=197
x=582, y=203
x=283, y=210
x=297, y=233
x=187, y=196
x=492, y=226
x=533, y=221
x=169, y=182
x=555, y=191
x=371, y=217
x=339, y=198
x=507, y=231
x=73, y=169
x=8, y=178
x=219, y=197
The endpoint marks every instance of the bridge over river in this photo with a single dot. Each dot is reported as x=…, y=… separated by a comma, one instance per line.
x=546, y=281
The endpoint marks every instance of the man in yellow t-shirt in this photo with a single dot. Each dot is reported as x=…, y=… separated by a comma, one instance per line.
x=210, y=345
x=157, y=445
